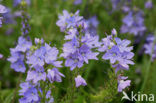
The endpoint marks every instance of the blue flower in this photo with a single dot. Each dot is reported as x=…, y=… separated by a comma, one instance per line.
x=113, y=54
x=31, y=95
x=85, y=54
x=70, y=47
x=68, y=20
x=37, y=58
x=51, y=54
x=133, y=23
x=77, y=2
x=15, y=56
x=149, y=4
x=54, y=75
x=49, y=97
x=1, y=56
x=91, y=40
x=123, y=83
x=3, y=9
x=35, y=76
x=80, y=81
x=18, y=66
x=23, y=44
x=122, y=45
x=106, y=44
x=17, y=2
x=73, y=61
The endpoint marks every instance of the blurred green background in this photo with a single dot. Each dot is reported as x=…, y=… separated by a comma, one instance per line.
x=102, y=86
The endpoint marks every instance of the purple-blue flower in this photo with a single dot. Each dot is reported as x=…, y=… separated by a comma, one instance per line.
x=150, y=47
x=68, y=20
x=77, y=2
x=24, y=87
x=106, y=44
x=73, y=61
x=123, y=83
x=85, y=54
x=15, y=56
x=49, y=97
x=37, y=58
x=35, y=76
x=70, y=47
x=18, y=66
x=51, y=54
x=117, y=51
x=91, y=40
x=1, y=56
x=29, y=93
x=54, y=75
x=23, y=44
x=17, y=2
x=149, y=4
x=3, y=9
x=80, y=81
x=122, y=45
x=133, y=23
x=113, y=54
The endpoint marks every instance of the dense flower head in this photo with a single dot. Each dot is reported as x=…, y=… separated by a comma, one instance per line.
x=150, y=47
x=42, y=55
x=80, y=42
x=17, y=54
x=29, y=93
x=133, y=23
x=39, y=58
x=117, y=51
x=68, y=20
x=80, y=81
x=36, y=76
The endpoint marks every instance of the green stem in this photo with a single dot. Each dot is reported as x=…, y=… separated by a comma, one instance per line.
x=17, y=86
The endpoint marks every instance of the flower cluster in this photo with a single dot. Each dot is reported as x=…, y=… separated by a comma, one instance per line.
x=18, y=54
x=150, y=47
x=3, y=10
x=133, y=23
x=80, y=43
x=117, y=51
x=42, y=62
